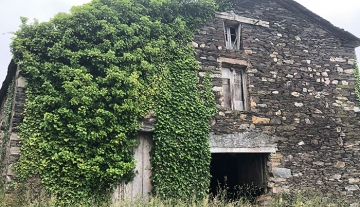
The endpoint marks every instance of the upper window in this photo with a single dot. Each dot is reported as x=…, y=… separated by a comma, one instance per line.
x=234, y=85
x=232, y=33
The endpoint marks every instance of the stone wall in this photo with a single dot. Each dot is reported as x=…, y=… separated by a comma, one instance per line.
x=300, y=86
x=3, y=128
x=10, y=142
x=300, y=92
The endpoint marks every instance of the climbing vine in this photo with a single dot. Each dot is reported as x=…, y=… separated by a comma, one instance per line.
x=6, y=137
x=181, y=155
x=92, y=74
x=357, y=82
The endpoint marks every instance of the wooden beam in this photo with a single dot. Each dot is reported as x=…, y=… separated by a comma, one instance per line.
x=233, y=61
x=235, y=17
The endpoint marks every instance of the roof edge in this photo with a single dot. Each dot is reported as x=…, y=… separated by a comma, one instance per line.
x=347, y=38
x=11, y=72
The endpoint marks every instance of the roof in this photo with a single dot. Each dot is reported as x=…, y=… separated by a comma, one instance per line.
x=347, y=38
x=9, y=77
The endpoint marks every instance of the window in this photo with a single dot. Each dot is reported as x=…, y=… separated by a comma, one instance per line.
x=234, y=87
x=232, y=33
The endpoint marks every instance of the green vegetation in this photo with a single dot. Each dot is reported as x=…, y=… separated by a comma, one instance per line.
x=8, y=108
x=304, y=199
x=357, y=82
x=92, y=74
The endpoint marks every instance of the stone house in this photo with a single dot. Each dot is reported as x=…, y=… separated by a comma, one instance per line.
x=287, y=117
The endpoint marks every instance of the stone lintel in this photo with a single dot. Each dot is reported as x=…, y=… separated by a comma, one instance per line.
x=146, y=126
x=243, y=150
x=247, y=141
x=235, y=17
x=233, y=61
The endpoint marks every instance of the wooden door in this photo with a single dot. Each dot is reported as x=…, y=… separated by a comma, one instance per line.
x=141, y=186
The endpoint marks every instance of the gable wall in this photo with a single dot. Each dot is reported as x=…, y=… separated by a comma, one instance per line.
x=9, y=120
x=301, y=92
x=300, y=86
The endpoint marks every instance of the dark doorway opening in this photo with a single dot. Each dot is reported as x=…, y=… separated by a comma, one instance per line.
x=242, y=174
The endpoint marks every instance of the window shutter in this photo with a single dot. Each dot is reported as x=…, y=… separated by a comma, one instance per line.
x=238, y=37
x=226, y=35
x=237, y=93
x=226, y=92
x=244, y=89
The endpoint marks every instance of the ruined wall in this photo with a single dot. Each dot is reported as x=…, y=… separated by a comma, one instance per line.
x=11, y=115
x=301, y=99
x=3, y=128
x=301, y=92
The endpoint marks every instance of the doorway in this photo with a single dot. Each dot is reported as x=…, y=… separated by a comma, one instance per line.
x=241, y=174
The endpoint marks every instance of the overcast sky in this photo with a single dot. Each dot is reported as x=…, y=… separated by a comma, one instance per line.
x=344, y=14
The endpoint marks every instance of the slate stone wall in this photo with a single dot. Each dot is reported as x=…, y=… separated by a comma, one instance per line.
x=300, y=90
x=10, y=142
x=2, y=122
x=300, y=93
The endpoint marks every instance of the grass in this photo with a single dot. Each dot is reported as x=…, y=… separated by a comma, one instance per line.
x=221, y=200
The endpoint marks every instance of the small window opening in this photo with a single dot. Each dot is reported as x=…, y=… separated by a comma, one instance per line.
x=234, y=85
x=232, y=35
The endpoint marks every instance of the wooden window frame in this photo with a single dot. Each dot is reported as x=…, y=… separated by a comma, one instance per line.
x=236, y=44
x=235, y=91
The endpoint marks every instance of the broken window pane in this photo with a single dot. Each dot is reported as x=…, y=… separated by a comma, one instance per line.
x=232, y=36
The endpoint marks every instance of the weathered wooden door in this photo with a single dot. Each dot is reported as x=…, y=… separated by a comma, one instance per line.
x=140, y=187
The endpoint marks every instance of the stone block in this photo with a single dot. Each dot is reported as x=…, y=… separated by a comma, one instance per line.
x=339, y=59
x=340, y=164
x=14, y=150
x=319, y=163
x=352, y=188
x=262, y=105
x=276, y=156
x=275, y=120
x=355, y=205
x=282, y=173
x=354, y=180
x=21, y=82
x=296, y=94
x=336, y=177
x=260, y=120
x=217, y=89
x=10, y=171
x=349, y=71
x=351, y=61
x=278, y=180
x=14, y=137
x=277, y=190
x=194, y=44
x=243, y=116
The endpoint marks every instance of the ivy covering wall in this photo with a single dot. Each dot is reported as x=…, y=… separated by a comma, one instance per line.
x=357, y=82
x=5, y=139
x=92, y=74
